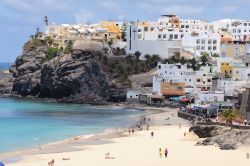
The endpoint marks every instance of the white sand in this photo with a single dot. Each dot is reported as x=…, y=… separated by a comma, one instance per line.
x=142, y=150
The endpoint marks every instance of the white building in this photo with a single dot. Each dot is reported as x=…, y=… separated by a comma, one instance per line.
x=202, y=42
x=210, y=97
x=240, y=30
x=153, y=40
x=229, y=87
x=200, y=80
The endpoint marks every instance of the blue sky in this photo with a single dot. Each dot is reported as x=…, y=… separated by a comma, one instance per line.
x=20, y=18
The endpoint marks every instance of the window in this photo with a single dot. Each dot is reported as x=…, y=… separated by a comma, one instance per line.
x=214, y=48
x=239, y=30
x=159, y=36
x=179, y=88
x=209, y=41
x=245, y=24
x=234, y=30
x=159, y=67
x=209, y=48
x=208, y=80
x=175, y=36
x=198, y=41
x=187, y=26
x=145, y=29
x=189, y=80
x=198, y=48
x=171, y=36
x=164, y=36
x=182, y=26
x=139, y=30
x=139, y=36
x=203, y=48
x=198, y=80
x=203, y=41
x=214, y=41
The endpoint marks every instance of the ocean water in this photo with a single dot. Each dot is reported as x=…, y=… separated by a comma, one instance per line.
x=4, y=66
x=26, y=124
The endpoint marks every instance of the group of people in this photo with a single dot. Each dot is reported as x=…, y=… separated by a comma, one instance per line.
x=165, y=152
x=143, y=121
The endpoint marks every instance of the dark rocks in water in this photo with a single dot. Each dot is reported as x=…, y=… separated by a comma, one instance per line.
x=6, y=86
x=74, y=78
x=224, y=137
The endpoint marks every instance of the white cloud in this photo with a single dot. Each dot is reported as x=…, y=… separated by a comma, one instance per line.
x=83, y=16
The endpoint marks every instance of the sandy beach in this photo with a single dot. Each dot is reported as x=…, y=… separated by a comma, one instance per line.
x=142, y=149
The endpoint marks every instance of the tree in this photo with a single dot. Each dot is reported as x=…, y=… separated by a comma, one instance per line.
x=230, y=115
x=193, y=63
x=204, y=58
x=124, y=31
x=183, y=61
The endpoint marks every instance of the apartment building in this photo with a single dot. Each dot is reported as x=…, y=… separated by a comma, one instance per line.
x=198, y=43
x=240, y=30
x=178, y=75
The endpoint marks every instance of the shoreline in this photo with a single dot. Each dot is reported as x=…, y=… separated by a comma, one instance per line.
x=131, y=149
x=89, y=139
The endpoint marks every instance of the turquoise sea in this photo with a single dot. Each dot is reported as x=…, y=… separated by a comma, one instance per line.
x=26, y=124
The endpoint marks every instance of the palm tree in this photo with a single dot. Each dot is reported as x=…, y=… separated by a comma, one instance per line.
x=230, y=115
x=193, y=63
x=204, y=58
x=183, y=60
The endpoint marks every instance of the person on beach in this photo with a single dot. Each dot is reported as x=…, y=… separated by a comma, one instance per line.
x=51, y=163
x=166, y=152
x=184, y=134
x=147, y=126
x=129, y=131
x=160, y=152
x=133, y=131
x=179, y=125
x=152, y=134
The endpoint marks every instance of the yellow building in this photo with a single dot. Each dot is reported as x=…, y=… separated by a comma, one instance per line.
x=112, y=27
x=226, y=68
x=172, y=89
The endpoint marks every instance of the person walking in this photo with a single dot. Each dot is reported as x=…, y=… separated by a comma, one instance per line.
x=152, y=134
x=166, y=152
x=160, y=152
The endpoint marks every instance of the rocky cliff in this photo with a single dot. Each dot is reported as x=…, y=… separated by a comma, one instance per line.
x=224, y=137
x=75, y=77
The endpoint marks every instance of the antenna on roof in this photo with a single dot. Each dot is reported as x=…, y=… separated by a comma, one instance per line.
x=46, y=20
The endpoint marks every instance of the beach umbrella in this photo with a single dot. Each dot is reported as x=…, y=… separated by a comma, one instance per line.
x=1, y=164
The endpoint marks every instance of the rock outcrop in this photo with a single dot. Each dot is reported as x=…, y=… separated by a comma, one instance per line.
x=76, y=77
x=224, y=137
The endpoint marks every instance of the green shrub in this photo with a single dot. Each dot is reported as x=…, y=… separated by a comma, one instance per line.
x=51, y=53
